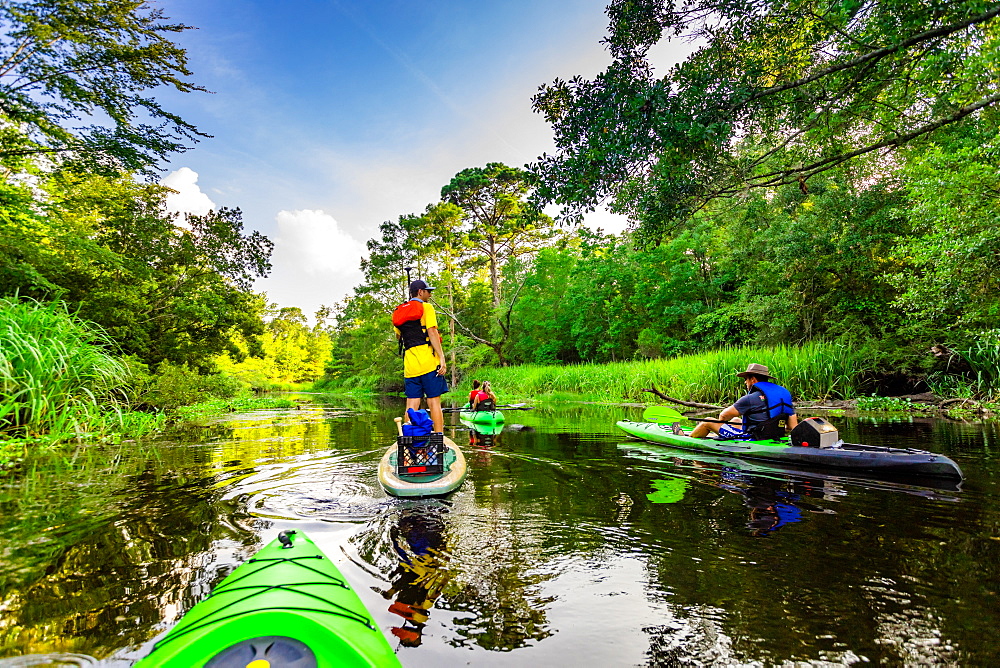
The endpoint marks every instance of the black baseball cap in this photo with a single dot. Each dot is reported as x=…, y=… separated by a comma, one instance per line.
x=419, y=285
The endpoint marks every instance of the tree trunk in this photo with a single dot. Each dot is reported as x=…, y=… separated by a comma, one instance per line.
x=494, y=277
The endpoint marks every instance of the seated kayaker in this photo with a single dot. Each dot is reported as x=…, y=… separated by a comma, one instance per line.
x=476, y=384
x=484, y=399
x=764, y=412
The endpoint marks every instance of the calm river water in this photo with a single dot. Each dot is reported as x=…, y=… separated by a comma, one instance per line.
x=568, y=545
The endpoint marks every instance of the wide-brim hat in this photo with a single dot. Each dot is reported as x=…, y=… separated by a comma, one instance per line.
x=756, y=370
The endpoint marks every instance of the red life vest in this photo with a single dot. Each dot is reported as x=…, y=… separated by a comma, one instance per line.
x=406, y=318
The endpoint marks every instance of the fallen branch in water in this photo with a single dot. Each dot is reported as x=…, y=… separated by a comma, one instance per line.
x=964, y=402
x=691, y=404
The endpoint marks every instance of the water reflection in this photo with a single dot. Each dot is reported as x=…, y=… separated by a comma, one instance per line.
x=726, y=470
x=418, y=540
x=483, y=435
x=564, y=546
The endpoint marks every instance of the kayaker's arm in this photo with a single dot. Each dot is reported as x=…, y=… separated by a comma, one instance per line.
x=435, y=337
x=793, y=421
x=729, y=413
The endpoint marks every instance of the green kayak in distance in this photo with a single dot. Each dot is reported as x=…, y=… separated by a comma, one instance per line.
x=288, y=605
x=851, y=456
x=481, y=417
x=484, y=428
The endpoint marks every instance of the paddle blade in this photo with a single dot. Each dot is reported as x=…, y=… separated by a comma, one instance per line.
x=662, y=415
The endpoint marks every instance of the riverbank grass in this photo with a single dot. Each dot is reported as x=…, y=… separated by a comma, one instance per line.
x=242, y=403
x=812, y=372
x=58, y=380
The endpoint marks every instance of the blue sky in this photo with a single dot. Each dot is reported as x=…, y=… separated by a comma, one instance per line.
x=331, y=116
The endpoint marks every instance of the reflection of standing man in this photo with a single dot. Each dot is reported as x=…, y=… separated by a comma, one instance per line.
x=423, y=357
x=420, y=577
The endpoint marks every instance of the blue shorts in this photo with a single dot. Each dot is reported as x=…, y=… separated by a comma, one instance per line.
x=733, y=432
x=429, y=385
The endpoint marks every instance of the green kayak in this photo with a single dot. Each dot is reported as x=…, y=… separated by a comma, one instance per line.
x=481, y=417
x=484, y=428
x=853, y=456
x=288, y=605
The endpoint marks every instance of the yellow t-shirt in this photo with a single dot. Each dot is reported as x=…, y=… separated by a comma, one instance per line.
x=421, y=359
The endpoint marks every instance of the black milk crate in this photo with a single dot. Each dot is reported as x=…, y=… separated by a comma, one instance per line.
x=420, y=455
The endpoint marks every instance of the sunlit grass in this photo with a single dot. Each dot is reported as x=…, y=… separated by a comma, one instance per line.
x=814, y=371
x=57, y=379
x=243, y=403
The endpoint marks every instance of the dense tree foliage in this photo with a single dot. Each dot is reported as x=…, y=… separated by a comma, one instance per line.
x=78, y=227
x=66, y=63
x=163, y=288
x=813, y=171
x=889, y=260
x=288, y=351
x=777, y=93
x=473, y=245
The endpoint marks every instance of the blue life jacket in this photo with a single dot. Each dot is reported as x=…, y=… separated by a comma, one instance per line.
x=777, y=403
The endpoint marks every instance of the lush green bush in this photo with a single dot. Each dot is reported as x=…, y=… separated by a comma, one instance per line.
x=58, y=378
x=177, y=385
x=983, y=356
x=241, y=403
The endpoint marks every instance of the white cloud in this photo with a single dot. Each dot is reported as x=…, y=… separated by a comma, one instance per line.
x=189, y=198
x=315, y=262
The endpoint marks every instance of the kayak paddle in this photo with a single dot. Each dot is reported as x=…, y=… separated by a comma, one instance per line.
x=662, y=415
x=667, y=415
x=506, y=407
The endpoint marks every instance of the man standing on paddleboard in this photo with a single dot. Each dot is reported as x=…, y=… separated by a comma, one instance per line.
x=424, y=368
x=765, y=406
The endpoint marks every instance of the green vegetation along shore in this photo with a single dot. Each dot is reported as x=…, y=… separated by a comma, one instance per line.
x=759, y=233
x=812, y=372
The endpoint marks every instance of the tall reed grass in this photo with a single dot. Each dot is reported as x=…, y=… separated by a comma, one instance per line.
x=57, y=377
x=983, y=357
x=814, y=371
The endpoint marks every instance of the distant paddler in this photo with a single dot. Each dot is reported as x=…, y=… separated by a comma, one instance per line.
x=482, y=397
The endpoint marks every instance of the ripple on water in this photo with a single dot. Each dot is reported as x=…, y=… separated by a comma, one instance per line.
x=320, y=486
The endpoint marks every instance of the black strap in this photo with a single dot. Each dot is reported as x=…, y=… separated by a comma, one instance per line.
x=771, y=429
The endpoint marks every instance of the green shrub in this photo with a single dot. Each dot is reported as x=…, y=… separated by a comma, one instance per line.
x=950, y=386
x=177, y=385
x=240, y=403
x=983, y=357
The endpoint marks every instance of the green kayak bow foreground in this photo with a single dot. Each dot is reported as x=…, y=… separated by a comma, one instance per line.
x=288, y=605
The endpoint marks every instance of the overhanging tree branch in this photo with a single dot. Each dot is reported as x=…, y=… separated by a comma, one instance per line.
x=787, y=176
x=943, y=31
